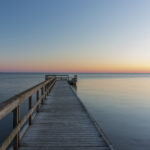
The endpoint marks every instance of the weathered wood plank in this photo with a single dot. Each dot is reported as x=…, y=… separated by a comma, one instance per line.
x=63, y=124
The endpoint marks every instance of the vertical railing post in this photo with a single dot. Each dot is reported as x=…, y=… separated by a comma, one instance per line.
x=49, y=86
x=37, y=98
x=42, y=92
x=45, y=90
x=30, y=106
x=46, y=77
x=16, y=119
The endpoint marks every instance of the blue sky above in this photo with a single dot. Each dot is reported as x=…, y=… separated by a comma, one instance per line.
x=54, y=34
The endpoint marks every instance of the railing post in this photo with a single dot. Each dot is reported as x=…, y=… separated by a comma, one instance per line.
x=47, y=88
x=46, y=77
x=30, y=106
x=37, y=98
x=50, y=85
x=16, y=119
x=52, y=82
x=42, y=92
x=45, y=91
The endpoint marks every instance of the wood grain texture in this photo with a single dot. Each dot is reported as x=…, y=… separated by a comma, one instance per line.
x=62, y=124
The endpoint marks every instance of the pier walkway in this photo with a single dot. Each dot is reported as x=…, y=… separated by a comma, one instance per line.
x=63, y=123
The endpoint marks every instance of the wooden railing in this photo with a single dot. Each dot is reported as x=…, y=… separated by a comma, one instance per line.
x=72, y=80
x=13, y=105
x=58, y=77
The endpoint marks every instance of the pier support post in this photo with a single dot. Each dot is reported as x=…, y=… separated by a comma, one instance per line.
x=45, y=88
x=42, y=92
x=16, y=119
x=30, y=106
x=37, y=98
x=46, y=77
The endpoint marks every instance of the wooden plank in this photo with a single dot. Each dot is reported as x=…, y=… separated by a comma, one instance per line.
x=63, y=123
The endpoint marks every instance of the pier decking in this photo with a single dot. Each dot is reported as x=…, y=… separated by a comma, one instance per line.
x=63, y=123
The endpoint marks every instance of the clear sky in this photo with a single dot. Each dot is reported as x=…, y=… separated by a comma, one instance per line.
x=75, y=35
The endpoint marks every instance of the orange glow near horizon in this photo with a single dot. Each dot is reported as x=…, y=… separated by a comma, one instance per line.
x=82, y=64
x=81, y=67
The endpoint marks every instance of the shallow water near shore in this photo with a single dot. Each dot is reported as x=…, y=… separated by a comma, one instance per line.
x=120, y=103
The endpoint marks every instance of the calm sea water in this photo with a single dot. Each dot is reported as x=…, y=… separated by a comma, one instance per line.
x=119, y=102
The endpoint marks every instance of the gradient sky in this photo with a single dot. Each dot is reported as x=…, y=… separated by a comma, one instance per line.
x=75, y=35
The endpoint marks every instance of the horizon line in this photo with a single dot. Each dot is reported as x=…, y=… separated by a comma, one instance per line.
x=76, y=72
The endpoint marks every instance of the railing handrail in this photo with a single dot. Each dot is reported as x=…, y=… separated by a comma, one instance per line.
x=58, y=76
x=13, y=105
x=9, y=105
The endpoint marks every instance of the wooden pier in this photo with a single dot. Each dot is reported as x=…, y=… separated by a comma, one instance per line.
x=61, y=123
